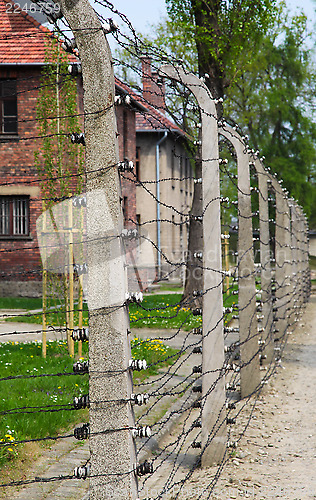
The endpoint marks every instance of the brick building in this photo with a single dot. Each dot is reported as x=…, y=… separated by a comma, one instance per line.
x=145, y=136
x=22, y=56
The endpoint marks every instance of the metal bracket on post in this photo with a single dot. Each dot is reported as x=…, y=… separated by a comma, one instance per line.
x=113, y=454
x=214, y=432
x=266, y=282
x=250, y=378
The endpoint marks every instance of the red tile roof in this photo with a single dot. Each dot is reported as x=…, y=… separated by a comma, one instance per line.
x=148, y=118
x=23, y=41
x=22, y=38
x=154, y=121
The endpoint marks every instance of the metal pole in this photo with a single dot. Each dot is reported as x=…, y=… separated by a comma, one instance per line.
x=163, y=138
x=226, y=256
x=214, y=430
x=44, y=282
x=250, y=378
x=112, y=447
x=80, y=281
x=70, y=328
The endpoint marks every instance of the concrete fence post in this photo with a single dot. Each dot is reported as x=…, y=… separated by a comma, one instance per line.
x=112, y=446
x=300, y=255
x=265, y=255
x=306, y=270
x=214, y=432
x=295, y=285
x=283, y=277
x=249, y=336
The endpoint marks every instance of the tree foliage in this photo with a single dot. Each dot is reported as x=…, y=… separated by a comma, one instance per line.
x=227, y=34
x=58, y=160
x=273, y=102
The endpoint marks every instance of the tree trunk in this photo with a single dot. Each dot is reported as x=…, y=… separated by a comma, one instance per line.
x=194, y=270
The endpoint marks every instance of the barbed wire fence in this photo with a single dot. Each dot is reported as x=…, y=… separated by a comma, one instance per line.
x=225, y=352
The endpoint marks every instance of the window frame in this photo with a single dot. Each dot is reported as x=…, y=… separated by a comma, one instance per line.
x=12, y=199
x=4, y=98
x=137, y=163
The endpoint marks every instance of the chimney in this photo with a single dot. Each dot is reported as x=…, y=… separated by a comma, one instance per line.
x=153, y=86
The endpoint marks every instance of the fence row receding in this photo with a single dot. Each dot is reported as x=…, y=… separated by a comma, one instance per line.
x=153, y=422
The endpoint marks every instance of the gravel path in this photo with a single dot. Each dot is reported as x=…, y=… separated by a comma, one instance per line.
x=275, y=459
x=277, y=456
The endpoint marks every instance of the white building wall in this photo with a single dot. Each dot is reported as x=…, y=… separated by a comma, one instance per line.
x=175, y=195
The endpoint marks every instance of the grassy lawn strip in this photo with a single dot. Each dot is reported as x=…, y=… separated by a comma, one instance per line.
x=25, y=359
x=156, y=311
x=20, y=303
x=163, y=311
x=156, y=353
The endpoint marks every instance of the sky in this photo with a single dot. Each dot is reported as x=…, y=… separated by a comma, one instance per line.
x=142, y=13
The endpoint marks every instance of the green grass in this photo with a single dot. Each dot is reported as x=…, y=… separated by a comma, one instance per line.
x=312, y=262
x=156, y=311
x=163, y=311
x=55, y=317
x=157, y=354
x=25, y=359
x=20, y=303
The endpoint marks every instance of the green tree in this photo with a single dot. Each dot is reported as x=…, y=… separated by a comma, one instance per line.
x=273, y=102
x=57, y=159
x=227, y=33
x=59, y=163
x=256, y=58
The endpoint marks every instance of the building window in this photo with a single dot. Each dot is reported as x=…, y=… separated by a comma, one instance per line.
x=138, y=163
x=173, y=236
x=14, y=216
x=8, y=107
x=181, y=173
x=181, y=166
x=125, y=209
x=125, y=132
x=186, y=168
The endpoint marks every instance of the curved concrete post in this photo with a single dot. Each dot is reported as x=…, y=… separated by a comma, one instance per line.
x=250, y=377
x=113, y=454
x=302, y=254
x=283, y=279
x=305, y=252
x=295, y=276
x=214, y=433
x=265, y=256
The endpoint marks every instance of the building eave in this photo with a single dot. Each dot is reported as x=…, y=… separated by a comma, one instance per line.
x=24, y=64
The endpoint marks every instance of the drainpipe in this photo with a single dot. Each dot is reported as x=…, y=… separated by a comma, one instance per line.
x=163, y=138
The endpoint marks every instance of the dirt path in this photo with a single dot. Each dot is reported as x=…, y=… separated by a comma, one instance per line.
x=277, y=456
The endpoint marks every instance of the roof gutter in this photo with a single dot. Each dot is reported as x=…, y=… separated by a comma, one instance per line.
x=161, y=140
x=24, y=64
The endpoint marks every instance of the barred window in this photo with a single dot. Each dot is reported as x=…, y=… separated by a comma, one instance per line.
x=14, y=216
x=8, y=107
